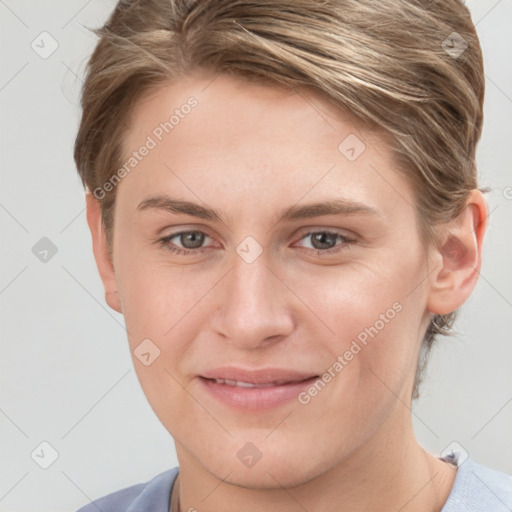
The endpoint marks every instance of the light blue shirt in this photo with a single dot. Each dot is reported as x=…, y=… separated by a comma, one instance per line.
x=476, y=488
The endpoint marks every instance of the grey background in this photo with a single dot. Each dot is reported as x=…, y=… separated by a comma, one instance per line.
x=67, y=376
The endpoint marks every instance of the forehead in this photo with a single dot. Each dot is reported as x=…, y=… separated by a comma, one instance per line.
x=226, y=140
x=227, y=108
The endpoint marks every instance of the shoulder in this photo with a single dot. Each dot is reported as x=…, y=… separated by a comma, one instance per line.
x=479, y=489
x=149, y=496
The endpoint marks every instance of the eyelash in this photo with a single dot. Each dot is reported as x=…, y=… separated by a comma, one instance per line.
x=166, y=241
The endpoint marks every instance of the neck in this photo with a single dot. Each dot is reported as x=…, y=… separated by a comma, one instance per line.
x=387, y=473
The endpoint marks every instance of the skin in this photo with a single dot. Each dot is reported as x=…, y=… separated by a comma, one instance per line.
x=249, y=151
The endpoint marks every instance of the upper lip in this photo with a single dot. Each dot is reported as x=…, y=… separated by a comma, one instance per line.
x=259, y=376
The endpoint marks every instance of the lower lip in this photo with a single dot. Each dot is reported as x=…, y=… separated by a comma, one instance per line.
x=255, y=399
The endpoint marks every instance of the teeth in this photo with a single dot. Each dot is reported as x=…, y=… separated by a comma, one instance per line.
x=241, y=384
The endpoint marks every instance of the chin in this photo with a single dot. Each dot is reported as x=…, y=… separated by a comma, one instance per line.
x=268, y=476
x=263, y=465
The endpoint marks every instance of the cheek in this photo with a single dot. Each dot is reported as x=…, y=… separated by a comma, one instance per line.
x=374, y=312
x=371, y=358
x=159, y=299
x=161, y=306
x=351, y=298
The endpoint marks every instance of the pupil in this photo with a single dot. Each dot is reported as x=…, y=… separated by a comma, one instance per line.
x=195, y=238
x=325, y=240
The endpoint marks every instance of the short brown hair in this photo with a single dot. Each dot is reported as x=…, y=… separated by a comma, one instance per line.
x=411, y=68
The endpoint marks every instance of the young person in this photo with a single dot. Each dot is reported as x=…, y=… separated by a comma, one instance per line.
x=283, y=203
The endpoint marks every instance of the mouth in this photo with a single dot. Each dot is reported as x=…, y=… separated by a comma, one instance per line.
x=255, y=390
x=243, y=384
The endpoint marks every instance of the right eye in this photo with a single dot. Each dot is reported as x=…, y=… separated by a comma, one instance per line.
x=190, y=242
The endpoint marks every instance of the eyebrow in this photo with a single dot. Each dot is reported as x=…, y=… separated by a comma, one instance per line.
x=295, y=212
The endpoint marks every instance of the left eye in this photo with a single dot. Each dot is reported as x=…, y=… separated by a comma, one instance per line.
x=324, y=240
x=191, y=239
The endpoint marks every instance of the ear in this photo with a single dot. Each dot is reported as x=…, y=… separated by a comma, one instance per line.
x=459, y=257
x=101, y=255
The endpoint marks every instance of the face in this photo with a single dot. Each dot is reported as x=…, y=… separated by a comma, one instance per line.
x=272, y=278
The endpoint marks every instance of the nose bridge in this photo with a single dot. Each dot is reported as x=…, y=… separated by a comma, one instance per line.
x=253, y=309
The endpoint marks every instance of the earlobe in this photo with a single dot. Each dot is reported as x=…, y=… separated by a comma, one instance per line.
x=101, y=255
x=460, y=256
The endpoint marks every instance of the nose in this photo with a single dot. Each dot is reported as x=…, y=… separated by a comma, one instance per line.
x=254, y=307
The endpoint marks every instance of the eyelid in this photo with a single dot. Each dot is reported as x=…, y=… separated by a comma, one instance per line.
x=184, y=232
x=183, y=228
x=344, y=233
